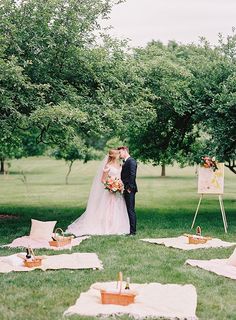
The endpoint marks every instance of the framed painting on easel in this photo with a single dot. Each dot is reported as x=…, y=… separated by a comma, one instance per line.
x=211, y=182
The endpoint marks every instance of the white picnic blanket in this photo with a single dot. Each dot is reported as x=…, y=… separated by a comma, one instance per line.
x=181, y=242
x=171, y=301
x=26, y=241
x=61, y=261
x=218, y=266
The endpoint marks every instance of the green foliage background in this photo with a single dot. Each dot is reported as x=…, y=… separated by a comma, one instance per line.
x=66, y=85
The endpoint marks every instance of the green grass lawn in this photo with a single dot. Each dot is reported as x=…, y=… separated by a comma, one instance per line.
x=165, y=207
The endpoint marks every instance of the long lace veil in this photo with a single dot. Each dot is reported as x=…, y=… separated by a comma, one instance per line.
x=97, y=188
x=88, y=218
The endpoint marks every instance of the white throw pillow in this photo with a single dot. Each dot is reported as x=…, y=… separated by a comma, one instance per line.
x=232, y=259
x=41, y=230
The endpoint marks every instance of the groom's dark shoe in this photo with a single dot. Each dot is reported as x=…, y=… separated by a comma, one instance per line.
x=131, y=234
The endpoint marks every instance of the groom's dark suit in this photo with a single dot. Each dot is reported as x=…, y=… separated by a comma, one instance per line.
x=128, y=177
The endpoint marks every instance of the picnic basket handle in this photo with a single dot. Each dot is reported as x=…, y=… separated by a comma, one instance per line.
x=62, y=232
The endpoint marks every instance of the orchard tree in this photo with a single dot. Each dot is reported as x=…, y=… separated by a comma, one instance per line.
x=169, y=94
x=17, y=94
x=73, y=151
x=187, y=85
x=70, y=84
x=215, y=117
x=223, y=119
x=222, y=123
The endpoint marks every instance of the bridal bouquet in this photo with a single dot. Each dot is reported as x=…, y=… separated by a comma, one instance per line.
x=113, y=185
x=208, y=162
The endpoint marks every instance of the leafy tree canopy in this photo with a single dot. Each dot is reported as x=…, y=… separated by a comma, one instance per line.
x=191, y=90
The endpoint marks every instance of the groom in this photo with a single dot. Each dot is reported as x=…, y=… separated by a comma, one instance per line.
x=128, y=177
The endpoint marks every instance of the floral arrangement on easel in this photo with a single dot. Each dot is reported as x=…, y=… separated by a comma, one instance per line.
x=208, y=162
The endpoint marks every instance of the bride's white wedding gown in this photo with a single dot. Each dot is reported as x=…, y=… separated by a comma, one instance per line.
x=106, y=212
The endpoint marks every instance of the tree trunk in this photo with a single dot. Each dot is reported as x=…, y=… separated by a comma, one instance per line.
x=2, y=166
x=233, y=169
x=69, y=171
x=231, y=165
x=163, y=170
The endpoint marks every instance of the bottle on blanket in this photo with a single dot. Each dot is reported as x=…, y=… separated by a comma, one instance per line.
x=198, y=231
x=28, y=254
x=127, y=286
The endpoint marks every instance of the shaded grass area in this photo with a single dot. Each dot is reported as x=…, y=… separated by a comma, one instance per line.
x=165, y=207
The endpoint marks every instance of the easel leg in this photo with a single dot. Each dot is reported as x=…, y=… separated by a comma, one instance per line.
x=195, y=216
x=223, y=213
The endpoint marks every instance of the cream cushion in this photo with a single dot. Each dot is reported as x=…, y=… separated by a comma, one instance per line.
x=42, y=230
x=232, y=259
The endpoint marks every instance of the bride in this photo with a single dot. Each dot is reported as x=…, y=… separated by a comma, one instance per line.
x=106, y=212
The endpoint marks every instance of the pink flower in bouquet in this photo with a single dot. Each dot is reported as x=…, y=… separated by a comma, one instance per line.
x=109, y=181
x=113, y=185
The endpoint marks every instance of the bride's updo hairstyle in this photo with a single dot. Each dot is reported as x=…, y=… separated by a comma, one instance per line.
x=112, y=155
x=123, y=148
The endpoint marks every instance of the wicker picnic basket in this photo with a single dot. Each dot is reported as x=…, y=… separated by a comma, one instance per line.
x=35, y=262
x=120, y=297
x=196, y=239
x=193, y=239
x=60, y=240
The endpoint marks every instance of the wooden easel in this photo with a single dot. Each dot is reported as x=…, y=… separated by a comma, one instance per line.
x=221, y=208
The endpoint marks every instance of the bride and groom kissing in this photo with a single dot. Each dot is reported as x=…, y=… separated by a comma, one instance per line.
x=107, y=212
